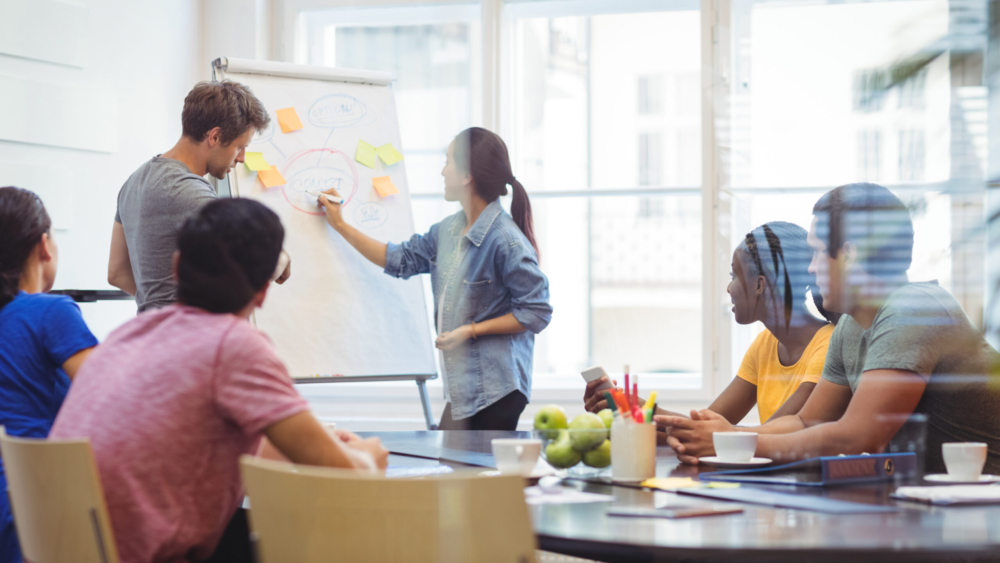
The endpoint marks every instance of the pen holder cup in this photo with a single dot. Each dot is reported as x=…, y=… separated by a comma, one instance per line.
x=633, y=451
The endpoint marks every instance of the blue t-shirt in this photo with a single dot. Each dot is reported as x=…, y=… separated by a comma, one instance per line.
x=38, y=333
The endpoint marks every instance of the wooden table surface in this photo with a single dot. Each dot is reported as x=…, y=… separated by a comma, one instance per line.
x=761, y=533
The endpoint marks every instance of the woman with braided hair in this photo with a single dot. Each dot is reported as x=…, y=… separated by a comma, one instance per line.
x=490, y=297
x=770, y=283
x=43, y=339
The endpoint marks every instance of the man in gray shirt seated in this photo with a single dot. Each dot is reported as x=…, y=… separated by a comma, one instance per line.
x=901, y=348
x=219, y=120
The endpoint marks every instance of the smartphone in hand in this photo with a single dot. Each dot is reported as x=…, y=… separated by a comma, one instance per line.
x=597, y=372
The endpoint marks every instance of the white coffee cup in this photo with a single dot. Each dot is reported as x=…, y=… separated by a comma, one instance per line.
x=964, y=460
x=516, y=456
x=737, y=447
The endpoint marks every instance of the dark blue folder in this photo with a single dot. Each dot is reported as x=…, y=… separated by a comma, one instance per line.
x=823, y=471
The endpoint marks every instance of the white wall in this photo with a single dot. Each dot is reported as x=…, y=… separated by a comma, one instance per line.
x=146, y=56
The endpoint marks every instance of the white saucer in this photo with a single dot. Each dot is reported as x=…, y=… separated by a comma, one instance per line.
x=945, y=478
x=755, y=462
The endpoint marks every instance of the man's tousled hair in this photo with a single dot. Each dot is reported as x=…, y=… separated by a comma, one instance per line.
x=230, y=106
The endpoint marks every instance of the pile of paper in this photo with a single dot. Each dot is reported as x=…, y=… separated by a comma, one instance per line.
x=958, y=494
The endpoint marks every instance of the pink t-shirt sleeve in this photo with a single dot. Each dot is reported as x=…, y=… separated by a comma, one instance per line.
x=252, y=386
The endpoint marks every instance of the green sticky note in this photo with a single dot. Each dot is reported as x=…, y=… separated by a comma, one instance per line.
x=389, y=154
x=365, y=154
x=255, y=161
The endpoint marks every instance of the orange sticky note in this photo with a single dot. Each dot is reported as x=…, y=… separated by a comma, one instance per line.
x=384, y=186
x=288, y=118
x=271, y=178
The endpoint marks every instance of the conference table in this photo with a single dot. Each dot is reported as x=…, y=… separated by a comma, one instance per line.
x=916, y=532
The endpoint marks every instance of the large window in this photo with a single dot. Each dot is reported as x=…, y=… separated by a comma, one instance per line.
x=605, y=105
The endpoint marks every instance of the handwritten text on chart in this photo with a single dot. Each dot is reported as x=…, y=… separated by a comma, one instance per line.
x=337, y=110
x=371, y=215
x=317, y=179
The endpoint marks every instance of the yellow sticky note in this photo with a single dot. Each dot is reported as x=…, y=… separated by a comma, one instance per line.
x=722, y=485
x=288, y=118
x=389, y=154
x=365, y=154
x=255, y=161
x=669, y=483
x=384, y=186
x=271, y=177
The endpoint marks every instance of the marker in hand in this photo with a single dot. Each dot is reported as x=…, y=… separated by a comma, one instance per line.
x=330, y=198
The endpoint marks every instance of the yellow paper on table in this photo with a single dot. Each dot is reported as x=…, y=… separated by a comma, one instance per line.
x=384, y=186
x=255, y=161
x=288, y=119
x=722, y=485
x=389, y=154
x=365, y=154
x=670, y=483
x=271, y=177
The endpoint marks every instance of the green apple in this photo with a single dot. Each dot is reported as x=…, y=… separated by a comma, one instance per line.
x=550, y=417
x=583, y=441
x=607, y=415
x=599, y=456
x=560, y=453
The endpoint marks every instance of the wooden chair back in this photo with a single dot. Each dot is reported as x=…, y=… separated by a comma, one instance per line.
x=57, y=501
x=310, y=514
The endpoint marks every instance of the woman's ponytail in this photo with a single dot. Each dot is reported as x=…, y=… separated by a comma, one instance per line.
x=23, y=221
x=520, y=210
x=483, y=154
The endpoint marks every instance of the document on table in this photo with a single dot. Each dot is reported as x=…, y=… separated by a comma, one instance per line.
x=788, y=500
x=538, y=495
x=953, y=495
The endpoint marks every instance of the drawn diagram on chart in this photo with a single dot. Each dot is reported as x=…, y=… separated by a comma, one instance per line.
x=303, y=173
x=319, y=169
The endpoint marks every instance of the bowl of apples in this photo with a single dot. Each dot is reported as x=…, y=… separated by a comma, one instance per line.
x=581, y=447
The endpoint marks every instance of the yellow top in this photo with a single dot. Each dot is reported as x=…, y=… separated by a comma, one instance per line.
x=775, y=382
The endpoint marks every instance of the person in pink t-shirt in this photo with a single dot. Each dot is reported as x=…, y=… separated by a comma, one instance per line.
x=174, y=397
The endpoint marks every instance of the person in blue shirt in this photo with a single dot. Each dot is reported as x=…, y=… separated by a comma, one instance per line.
x=490, y=297
x=43, y=338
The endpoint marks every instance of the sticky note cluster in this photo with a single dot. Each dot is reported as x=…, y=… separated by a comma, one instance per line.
x=289, y=120
x=366, y=154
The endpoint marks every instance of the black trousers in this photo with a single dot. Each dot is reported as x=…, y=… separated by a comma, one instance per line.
x=234, y=547
x=501, y=415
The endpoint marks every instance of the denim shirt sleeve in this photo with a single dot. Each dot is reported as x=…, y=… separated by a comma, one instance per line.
x=527, y=285
x=413, y=256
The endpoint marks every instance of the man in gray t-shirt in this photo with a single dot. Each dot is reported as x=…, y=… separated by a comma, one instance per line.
x=922, y=329
x=219, y=120
x=900, y=348
x=152, y=205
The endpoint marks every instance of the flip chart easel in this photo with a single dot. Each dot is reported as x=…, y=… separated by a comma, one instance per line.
x=339, y=318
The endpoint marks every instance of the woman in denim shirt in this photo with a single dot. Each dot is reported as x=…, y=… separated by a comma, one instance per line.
x=490, y=297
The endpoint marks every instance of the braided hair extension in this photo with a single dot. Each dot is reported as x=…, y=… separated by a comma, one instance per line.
x=794, y=271
x=23, y=221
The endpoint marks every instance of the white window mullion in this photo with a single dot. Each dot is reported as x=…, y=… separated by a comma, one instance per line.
x=716, y=237
x=491, y=18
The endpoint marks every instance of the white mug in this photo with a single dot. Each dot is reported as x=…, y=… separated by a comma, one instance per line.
x=736, y=447
x=964, y=460
x=633, y=450
x=516, y=456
